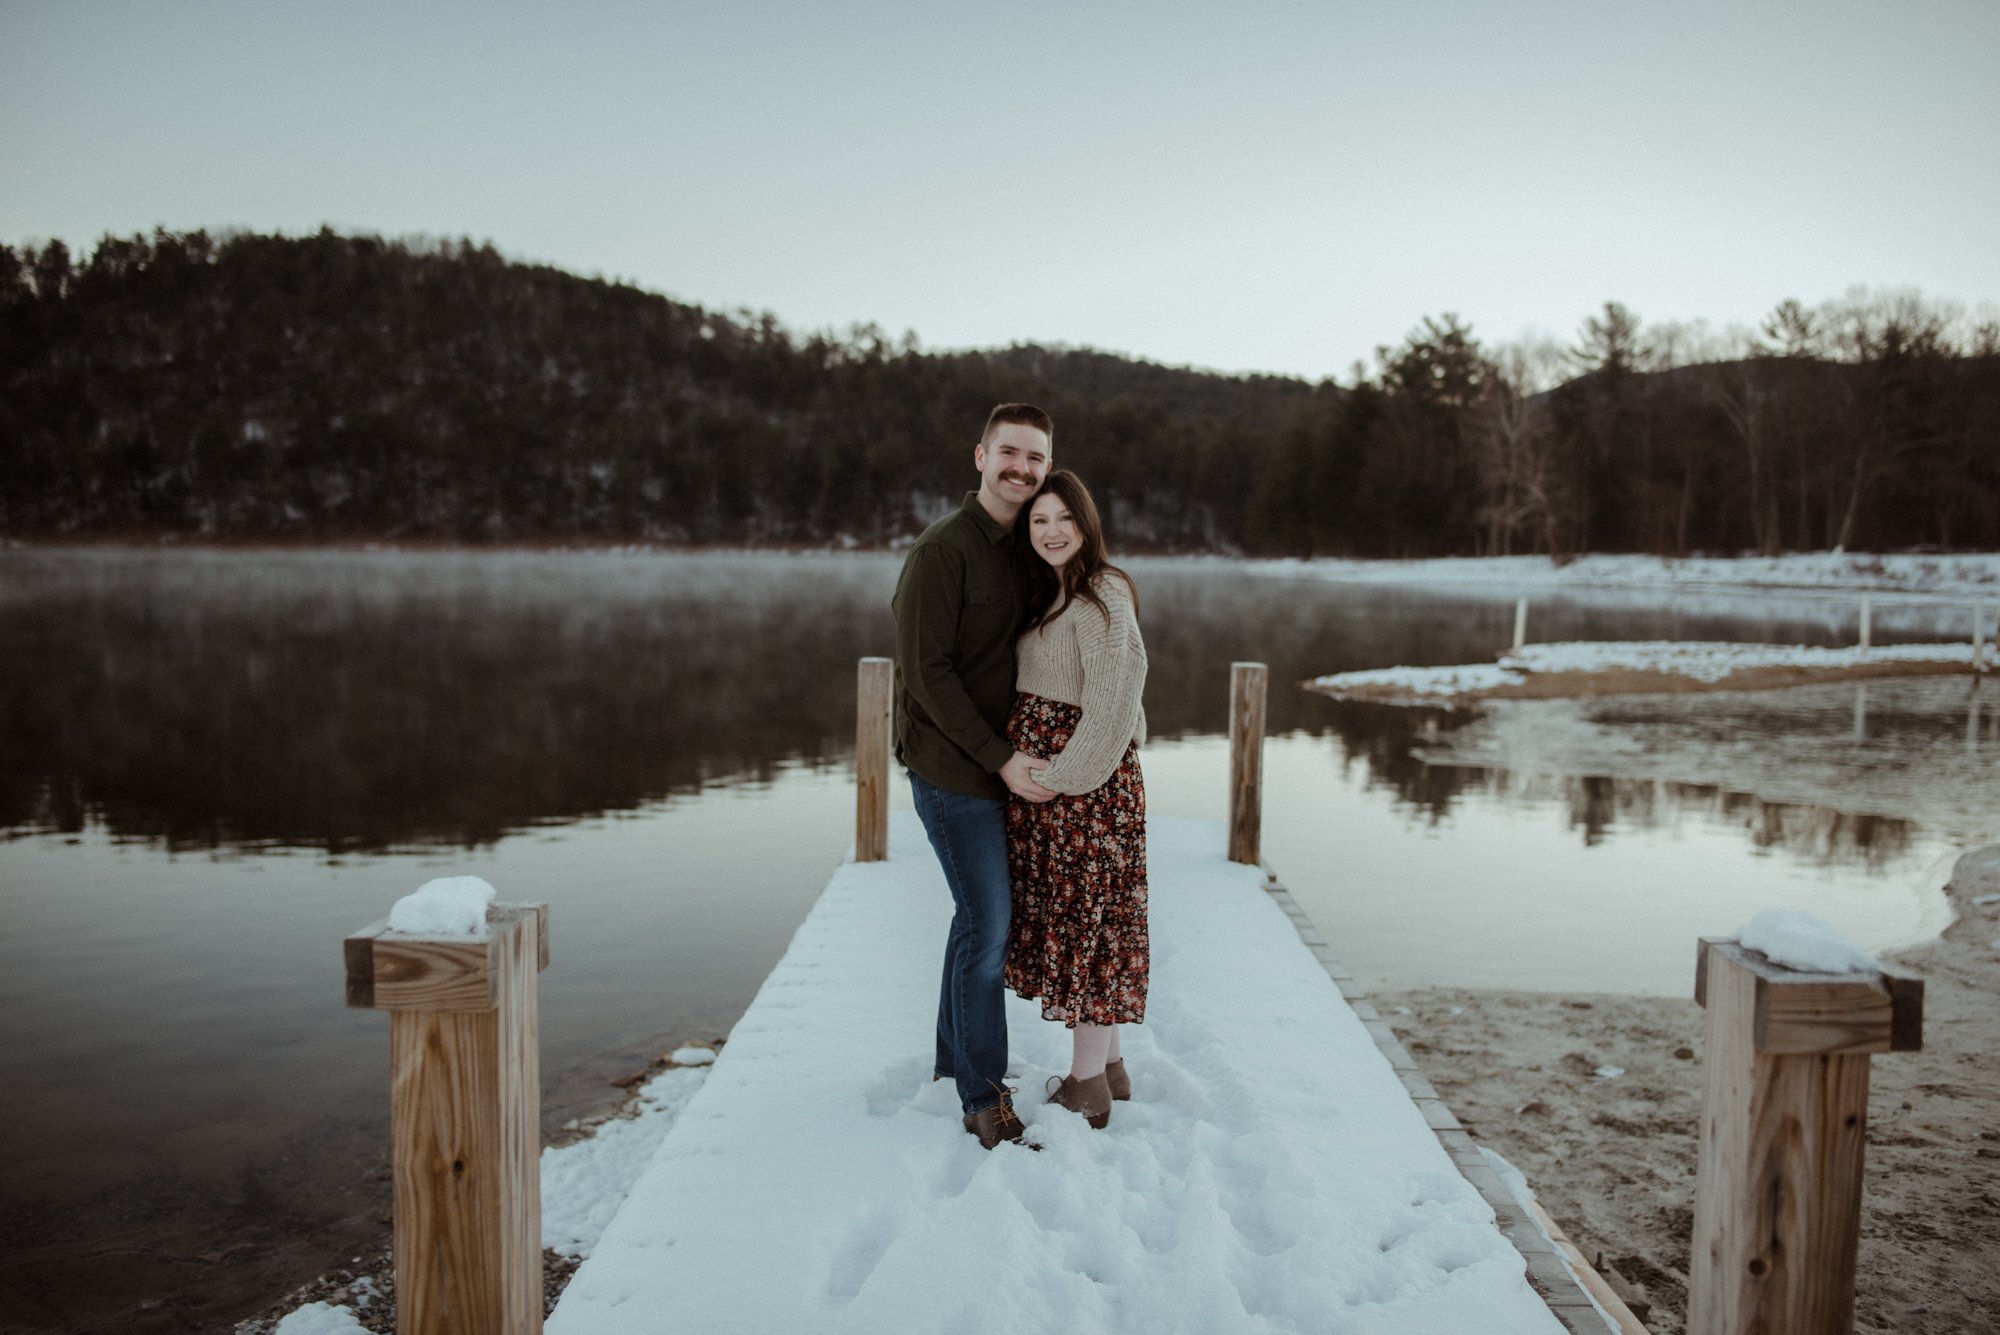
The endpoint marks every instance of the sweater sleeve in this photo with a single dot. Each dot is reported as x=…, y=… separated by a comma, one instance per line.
x=1114, y=677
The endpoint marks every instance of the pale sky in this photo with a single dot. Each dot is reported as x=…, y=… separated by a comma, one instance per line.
x=1258, y=186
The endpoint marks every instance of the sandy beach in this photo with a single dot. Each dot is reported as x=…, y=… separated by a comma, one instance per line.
x=1613, y=1158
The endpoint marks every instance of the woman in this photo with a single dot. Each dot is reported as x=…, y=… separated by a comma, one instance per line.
x=1078, y=862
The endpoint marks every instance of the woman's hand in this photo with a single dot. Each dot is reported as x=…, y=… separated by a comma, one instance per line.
x=1018, y=776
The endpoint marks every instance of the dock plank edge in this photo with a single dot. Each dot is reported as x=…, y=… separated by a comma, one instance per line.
x=1549, y=1273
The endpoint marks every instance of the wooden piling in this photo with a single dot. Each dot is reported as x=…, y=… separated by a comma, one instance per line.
x=1865, y=627
x=465, y=1118
x=1520, y=623
x=1784, y=1116
x=1246, y=760
x=871, y=759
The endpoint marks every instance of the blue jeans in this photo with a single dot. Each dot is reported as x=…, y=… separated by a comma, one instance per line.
x=969, y=835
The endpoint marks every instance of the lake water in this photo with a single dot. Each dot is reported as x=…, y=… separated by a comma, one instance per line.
x=216, y=765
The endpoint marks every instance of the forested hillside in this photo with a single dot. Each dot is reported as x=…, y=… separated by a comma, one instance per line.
x=334, y=386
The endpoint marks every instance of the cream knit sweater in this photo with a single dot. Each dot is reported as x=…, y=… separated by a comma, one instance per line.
x=1077, y=658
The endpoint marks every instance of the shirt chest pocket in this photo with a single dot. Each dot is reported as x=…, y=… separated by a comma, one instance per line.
x=989, y=613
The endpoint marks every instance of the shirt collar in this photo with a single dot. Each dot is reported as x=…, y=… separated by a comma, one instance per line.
x=994, y=530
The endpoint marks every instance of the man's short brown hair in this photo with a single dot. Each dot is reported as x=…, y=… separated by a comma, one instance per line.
x=1025, y=413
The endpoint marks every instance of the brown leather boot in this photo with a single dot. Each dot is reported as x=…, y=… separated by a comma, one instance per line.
x=997, y=1123
x=1121, y=1083
x=1090, y=1097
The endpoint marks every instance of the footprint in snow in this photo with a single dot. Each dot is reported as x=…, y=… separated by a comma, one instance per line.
x=896, y=1088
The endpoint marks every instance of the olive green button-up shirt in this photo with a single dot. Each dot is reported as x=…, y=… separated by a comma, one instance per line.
x=958, y=607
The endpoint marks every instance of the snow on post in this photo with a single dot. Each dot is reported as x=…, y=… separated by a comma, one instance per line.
x=1794, y=1012
x=447, y=906
x=1802, y=942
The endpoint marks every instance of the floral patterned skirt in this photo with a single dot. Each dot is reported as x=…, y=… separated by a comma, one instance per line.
x=1078, y=866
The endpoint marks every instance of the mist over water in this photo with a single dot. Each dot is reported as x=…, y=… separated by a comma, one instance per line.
x=367, y=702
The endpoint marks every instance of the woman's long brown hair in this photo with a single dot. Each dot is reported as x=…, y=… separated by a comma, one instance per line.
x=1051, y=589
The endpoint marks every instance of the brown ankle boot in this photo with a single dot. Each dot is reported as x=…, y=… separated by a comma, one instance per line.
x=997, y=1123
x=1090, y=1097
x=1121, y=1083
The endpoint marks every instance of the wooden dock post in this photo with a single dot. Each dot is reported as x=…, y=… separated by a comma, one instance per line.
x=1246, y=761
x=1865, y=628
x=871, y=759
x=1520, y=624
x=1777, y=1211
x=465, y=1112
x=1979, y=641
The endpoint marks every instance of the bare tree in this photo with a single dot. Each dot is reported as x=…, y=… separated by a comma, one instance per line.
x=1739, y=382
x=1521, y=484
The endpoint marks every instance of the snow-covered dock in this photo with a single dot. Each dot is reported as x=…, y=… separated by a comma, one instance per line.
x=1282, y=1166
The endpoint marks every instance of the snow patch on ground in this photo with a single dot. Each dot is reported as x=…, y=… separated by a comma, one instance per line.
x=1270, y=1174
x=1442, y=682
x=1698, y=660
x=584, y=1183
x=1978, y=873
x=1714, y=660
x=320, y=1319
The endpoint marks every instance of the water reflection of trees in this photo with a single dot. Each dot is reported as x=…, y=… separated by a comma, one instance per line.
x=357, y=700
x=1384, y=738
x=1390, y=742
x=353, y=702
x=368, y=700
x=1815, y=835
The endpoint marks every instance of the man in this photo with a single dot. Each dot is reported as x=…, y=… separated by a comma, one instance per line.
x=958, y=605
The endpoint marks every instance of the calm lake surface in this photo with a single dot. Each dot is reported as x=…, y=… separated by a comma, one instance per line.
x=214, y=766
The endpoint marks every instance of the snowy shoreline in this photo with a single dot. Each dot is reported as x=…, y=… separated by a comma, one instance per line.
x=585, y=1176
x=1955, y=576
x=1632, y=667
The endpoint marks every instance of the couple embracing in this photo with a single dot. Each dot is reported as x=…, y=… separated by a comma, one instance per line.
x=1019, y=669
